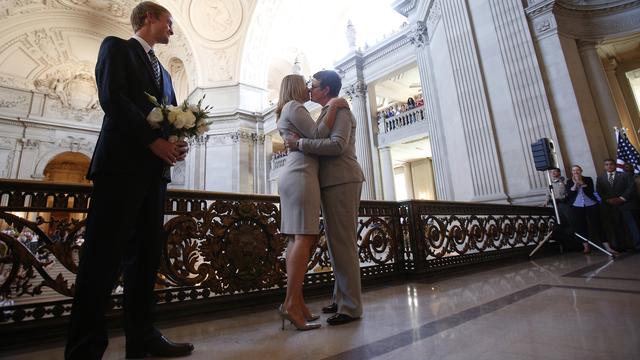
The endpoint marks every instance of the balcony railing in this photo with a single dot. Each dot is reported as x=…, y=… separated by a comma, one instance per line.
x=277, y=163
x=226, y=247
x=401, y=120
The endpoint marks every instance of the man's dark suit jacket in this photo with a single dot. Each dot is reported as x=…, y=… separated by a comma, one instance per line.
x=623, y=185
x=588, y=190
x=123, y=75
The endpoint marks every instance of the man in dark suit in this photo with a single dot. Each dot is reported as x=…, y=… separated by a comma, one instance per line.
x=124, y=227
x=617, y=190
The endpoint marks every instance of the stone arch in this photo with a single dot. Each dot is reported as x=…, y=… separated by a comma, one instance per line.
x=54, y=157
x=254, y=69
x=180, y=78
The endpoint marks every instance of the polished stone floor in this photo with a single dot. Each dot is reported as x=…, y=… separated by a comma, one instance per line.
x=556, y=307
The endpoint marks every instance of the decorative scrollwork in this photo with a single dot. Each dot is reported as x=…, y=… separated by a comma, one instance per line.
x=232, y=246
x=320, y=254
x=221, y=244
x=459, y=235
x=377, y=244
x=23, y=263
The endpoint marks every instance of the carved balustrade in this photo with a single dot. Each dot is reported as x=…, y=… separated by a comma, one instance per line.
x=226, y=246
x=402, y=119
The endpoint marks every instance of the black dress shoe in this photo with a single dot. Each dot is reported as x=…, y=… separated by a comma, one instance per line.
x=339, y=319
x=158, y=346
x=330, y=309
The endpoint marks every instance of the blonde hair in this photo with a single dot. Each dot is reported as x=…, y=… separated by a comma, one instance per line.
x=139, y=13
x=292, y=87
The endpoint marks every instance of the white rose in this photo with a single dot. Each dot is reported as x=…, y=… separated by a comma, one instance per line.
x=202, y=128
x=173, y=113
x=179, y=123
x=155, y=116
x=187, y=119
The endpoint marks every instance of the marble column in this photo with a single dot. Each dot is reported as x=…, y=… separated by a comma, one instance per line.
x=386, y=167
x=408, y=180
x=373, y=125
x=358, y=95
x=611, y=66
x=624, y=80
x=418, y=38
x=475, y=118
x=268, y=154
x=600, y=92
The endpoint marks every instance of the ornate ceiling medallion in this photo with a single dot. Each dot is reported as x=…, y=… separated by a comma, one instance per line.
x=216, y=20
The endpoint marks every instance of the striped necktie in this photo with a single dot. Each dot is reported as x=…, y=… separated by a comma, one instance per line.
x=155, y=64
x=611, y=179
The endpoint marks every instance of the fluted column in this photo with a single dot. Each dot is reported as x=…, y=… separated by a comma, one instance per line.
x=474, y=114
x=600, y=92
x=433, y=116
x=386, y=165
x=358, y=95
x=408, y=180
x=610, y=68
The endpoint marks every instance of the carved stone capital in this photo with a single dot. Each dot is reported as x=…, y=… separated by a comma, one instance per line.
x=30, y=144
x=356, y=90
x=418, y=34
x=259, y=138
x=584, y=45
x=242, y=136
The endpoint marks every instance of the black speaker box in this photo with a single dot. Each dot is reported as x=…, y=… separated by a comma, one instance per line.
x=544, y=154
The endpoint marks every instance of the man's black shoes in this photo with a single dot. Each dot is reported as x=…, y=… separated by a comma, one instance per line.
x=158, y=346
x=339, y=319
x=330, y=309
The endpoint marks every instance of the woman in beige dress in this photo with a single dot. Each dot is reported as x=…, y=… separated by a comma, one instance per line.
x=299, y=194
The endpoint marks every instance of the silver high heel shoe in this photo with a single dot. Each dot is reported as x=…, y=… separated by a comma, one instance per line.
x=312, y=317
x=284, y=315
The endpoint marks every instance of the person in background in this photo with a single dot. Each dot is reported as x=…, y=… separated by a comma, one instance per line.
x=620, y=203
x=584, y=209
x=562, y=233
x=411, y=104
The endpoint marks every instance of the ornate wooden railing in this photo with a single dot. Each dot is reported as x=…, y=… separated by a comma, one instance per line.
x=228, y=246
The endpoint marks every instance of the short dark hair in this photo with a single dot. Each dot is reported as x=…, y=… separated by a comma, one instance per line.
x=609, y=159
x=555, y=168
x=331, y=79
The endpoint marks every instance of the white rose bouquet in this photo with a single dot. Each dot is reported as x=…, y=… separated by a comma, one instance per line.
x=185, y=121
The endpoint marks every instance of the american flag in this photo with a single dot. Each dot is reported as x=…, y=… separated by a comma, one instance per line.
x=627, y=154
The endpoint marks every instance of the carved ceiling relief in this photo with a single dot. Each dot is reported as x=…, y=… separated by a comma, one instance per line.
x=220, y=66
x=253, y=67
x=216, y=20
x=72, y=84
x=116, y=9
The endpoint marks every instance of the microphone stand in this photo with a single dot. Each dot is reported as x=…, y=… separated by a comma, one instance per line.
x=555, y=209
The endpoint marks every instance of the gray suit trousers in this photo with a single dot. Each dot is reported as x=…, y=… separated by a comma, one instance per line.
x=340, y=210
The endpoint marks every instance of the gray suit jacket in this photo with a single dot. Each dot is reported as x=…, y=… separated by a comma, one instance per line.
x=338, y=161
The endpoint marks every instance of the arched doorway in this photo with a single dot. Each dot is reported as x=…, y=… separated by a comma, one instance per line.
x=68, y=167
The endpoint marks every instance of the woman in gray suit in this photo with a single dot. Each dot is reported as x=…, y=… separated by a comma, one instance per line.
x=299, y=194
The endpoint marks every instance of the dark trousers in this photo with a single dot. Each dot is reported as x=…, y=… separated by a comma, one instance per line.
x=581, y=217
x=123, y=235
x=621, y=219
